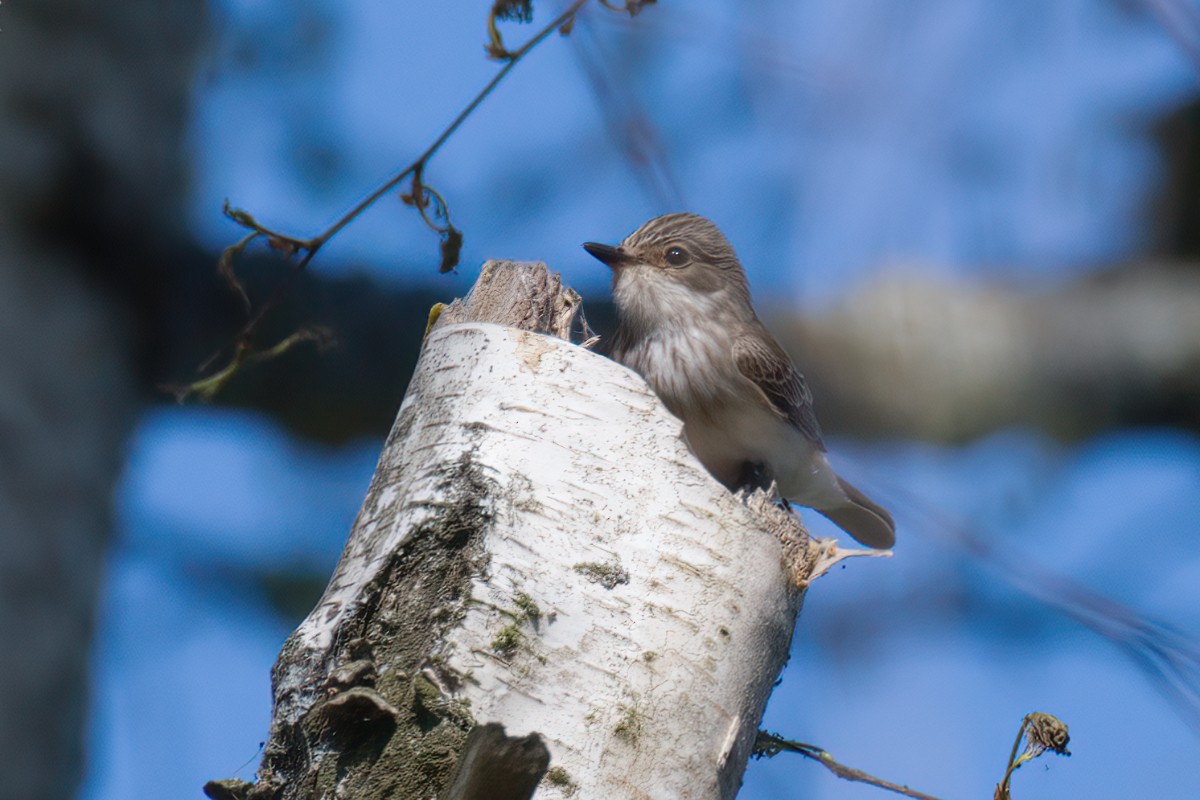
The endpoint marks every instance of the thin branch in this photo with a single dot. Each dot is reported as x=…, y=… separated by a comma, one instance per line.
x=514, y=59
x=208, y=388
x=451, y=237
x=1169, y=657
x=629, y=125
x=768, y=745
x=1182, y=23
x=226, y=271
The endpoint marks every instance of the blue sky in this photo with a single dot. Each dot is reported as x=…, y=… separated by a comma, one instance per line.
x=985, y=139
x=917, y=668
x=997, y=137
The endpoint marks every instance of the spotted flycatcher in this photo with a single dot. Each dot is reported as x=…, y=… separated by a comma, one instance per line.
x=687, y=326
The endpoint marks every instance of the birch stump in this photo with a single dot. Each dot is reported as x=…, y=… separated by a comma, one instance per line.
x=544, y=594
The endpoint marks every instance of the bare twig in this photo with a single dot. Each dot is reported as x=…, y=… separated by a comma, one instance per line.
x=518, y=10
x=226, y=271
x=770, y=744
x=423, y=197
x=1181, y=22
x=632, y=7
x=629, y=125
x=241, y=343
x=208, y=388
x=1168, y=656
x=1041, y=732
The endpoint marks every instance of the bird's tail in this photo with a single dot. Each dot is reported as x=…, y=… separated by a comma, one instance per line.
x=867, y=522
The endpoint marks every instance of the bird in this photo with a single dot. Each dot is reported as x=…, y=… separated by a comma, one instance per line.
x=686, y=324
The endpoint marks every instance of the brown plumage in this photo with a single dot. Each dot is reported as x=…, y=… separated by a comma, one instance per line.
x=687, y=326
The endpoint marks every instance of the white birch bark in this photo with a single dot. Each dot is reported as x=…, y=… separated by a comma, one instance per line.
x=538, y=549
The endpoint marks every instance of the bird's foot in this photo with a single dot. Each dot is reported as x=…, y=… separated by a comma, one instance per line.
x=754, y=477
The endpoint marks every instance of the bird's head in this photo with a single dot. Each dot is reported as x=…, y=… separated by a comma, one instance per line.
x=674, y=264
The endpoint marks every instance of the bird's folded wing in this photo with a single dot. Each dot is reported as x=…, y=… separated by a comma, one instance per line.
x=765, y=364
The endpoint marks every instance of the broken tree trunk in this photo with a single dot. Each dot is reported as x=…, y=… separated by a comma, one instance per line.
x=540, y=563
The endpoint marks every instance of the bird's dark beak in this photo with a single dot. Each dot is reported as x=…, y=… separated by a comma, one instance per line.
x=612, y=256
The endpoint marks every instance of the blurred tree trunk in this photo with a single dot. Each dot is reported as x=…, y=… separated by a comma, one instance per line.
x=923, y=357
x=66, y=403
x=542, y=576
x=92, y=109
x=904, y=356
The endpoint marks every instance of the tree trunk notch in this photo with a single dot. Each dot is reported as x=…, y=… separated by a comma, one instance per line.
x=538, y=550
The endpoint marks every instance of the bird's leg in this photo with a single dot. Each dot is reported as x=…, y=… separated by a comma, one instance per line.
x=755, y=476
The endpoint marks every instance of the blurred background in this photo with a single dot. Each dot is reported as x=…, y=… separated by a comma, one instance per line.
x=974, y=223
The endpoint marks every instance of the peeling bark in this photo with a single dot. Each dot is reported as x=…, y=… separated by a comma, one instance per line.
x=540, y=551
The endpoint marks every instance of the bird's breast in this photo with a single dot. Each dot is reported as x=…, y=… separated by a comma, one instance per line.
x=689, y=367
x=727, y=421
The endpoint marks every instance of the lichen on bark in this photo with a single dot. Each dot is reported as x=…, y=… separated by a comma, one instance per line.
x=364, y=735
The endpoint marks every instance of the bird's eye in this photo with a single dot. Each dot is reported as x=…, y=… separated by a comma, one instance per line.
x=677, y=257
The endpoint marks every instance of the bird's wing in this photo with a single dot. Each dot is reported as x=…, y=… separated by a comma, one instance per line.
x=764, y=363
